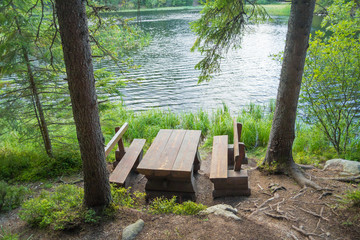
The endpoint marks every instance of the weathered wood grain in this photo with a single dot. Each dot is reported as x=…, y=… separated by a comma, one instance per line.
x=128, y=162
x=115, y=139
x=219, y=166
x=151, y=160
x=187, y=155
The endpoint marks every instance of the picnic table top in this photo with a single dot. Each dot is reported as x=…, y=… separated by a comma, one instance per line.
x=173, y=151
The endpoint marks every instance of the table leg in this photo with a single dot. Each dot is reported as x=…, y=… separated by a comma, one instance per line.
x=197, y=162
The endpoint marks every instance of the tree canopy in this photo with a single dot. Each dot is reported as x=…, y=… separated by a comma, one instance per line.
x=330, y=89
x=34, y=94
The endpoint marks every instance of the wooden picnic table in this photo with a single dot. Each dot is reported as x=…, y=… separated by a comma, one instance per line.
x=170, y=163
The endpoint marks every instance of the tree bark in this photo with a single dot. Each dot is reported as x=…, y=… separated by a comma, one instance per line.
x=282, y=133
x=77, y=55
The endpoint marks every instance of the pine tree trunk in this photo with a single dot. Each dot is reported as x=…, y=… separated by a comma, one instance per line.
x=77, y=55
x=39, y=112
x=283, y=127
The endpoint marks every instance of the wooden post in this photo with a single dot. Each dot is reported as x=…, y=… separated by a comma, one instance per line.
x=120, y=152
x=237, y=158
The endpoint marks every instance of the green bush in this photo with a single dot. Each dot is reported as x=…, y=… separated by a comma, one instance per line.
x=353, y=197
x=163, y=205
x=123, y=197
x=11, y=197
x=189, y=208
x=60, y=209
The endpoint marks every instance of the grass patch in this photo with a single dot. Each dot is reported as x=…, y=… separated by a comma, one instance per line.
x=7, y=235
x=160, y=9
x=282, y=9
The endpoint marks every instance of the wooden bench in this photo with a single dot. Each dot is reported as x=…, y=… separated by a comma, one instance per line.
x=126, y=160
x=225, y=170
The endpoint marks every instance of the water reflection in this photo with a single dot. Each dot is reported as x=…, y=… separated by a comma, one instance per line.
x=170, y=80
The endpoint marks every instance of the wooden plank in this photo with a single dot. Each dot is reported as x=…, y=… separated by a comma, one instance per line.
x=170, y=186
x=151, y=159
x=219, y=162
x=231, y=193
x=115, y=139
x=130, y=158
x=170, y=152
x=187, y=154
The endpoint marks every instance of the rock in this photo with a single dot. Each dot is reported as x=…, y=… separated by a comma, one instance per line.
x=222, y=210
x=345, y=166
x=131, y=231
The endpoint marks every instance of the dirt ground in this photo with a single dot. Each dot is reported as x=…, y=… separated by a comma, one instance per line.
x=276, y=209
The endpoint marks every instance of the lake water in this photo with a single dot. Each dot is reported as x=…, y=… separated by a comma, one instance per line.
x=169, y=80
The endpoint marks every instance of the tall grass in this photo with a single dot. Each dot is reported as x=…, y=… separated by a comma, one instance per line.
x=278, y=9
x=27, y=161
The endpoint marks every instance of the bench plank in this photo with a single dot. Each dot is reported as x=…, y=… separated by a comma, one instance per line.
x=151, y=159
x=219, y=167
x=184, y=162
x=128, y=162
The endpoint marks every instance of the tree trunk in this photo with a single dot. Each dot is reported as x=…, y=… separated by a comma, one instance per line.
x=77, y=55
x=39, y=112
x=283, y=127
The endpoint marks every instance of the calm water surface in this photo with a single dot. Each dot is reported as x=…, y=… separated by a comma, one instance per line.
x=170, y=80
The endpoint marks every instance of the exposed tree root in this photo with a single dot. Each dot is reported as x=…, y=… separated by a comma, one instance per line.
x=299, y=177
x=315, y=214
x=302, y=231
x=345, y=179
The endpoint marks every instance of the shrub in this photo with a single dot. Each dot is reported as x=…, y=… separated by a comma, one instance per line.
x=163, y=205
x=353, y=198
x=11, y=197
x=189, y=208
x=59, y=210
x=123, y=197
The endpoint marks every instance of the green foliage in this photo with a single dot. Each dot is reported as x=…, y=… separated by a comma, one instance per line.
x=11, y=197
x=90, y=216
x=189, y=208
x=311, y=146
x=220, y=27
x=256, y=122
x=7, y=235
x=123, y=197
x=330, y=89
x=60, y=210
x=163, y=205
x=352, y=198
x=30, y=49
x=24, y=162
